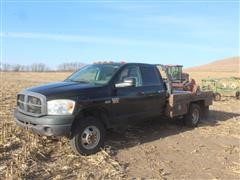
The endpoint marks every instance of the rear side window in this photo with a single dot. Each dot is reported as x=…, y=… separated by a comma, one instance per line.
x=149, y=76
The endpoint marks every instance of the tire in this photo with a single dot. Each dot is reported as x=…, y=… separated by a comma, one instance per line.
x=193, y=117
x=217, y=97
x=88, y=137
x=205, y=112
x=238, y=95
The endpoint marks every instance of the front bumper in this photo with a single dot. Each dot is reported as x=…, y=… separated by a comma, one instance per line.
x=45, y=125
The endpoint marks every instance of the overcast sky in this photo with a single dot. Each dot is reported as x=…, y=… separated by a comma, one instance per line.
x=185, y=32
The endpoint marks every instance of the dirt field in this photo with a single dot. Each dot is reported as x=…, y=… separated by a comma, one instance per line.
x=158, y=149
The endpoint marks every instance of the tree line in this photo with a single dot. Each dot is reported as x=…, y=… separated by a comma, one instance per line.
x=40, y=67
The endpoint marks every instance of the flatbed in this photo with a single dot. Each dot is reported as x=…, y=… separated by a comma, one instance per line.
x=179, y=102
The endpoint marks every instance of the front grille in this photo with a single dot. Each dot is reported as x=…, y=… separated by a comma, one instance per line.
x=20, y=101
x=31, y=103
x=21, y=97
x=33, y=100
x=34, y=109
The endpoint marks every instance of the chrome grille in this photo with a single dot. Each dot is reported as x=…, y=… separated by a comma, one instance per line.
x=33, y=100
x=34, y=109
x=31, y=103
x=21, y=97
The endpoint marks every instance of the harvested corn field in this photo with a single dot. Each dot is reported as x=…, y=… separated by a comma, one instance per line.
x=159, y=149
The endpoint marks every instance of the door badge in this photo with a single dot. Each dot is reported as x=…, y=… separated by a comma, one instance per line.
x=115, y=100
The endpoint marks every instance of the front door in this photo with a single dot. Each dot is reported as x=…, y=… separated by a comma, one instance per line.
x=129, y=102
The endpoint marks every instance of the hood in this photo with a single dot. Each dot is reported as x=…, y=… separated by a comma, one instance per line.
x=63, y=89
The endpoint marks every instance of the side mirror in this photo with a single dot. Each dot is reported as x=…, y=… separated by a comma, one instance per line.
x=127, y=82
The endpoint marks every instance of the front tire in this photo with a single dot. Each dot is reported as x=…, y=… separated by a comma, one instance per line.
x=193, y=117
x=88, y=137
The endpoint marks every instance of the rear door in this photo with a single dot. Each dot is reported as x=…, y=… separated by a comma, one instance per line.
x=154, y=90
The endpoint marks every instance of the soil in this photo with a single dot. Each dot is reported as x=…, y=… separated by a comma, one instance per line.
x=157, y=148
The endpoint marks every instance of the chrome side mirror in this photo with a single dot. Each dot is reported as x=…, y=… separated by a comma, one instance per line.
x=127, y=82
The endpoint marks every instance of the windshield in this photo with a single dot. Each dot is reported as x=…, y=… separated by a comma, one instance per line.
x=97, y=73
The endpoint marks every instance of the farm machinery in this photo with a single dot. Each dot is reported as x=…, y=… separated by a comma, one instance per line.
x=179, y=79
x=222, y=87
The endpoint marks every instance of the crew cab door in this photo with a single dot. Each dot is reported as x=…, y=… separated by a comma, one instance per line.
x=127, y=101
x=154, y=90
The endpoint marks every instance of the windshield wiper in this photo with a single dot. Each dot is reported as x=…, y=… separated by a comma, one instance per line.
x=79, y=81
x=82, y=81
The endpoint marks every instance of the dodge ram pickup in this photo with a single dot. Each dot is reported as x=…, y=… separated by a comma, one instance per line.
x=102, y=96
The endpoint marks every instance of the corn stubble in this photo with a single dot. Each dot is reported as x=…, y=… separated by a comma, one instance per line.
x=26, y=155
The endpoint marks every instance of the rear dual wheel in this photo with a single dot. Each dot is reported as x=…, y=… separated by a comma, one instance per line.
x=193, y=117
x=217, y=96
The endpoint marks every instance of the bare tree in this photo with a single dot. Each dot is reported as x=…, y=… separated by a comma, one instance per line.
x=16, y=67
x=72, y=66
x=6, y=67
x=40, y=67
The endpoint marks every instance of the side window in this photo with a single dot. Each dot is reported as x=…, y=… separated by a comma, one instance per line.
x=131, y=72
x=149, y=76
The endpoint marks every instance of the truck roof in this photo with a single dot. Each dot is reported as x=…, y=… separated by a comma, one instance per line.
x=123, y=63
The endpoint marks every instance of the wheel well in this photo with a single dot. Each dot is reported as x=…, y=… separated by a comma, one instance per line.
x=200, y=103
x=99, y=113
x=202, y=106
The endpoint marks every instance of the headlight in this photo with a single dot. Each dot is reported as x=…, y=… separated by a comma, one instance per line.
x=60, y=107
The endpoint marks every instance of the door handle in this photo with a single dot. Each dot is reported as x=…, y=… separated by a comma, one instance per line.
x=141, y=93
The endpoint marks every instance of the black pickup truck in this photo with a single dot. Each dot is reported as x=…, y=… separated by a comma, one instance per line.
x=103, y=96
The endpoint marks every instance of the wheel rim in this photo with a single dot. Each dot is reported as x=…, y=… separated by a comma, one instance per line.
x=90, y=137
x=217, y=97
x=195, y=116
